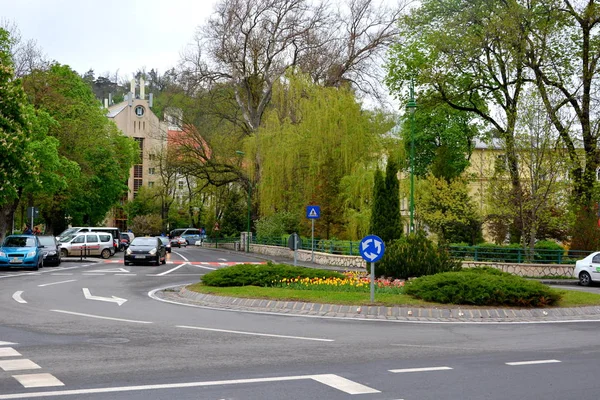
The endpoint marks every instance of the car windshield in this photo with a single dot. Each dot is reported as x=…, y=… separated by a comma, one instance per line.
x=67, y=238
x=46, y=240
x=143, y=242
x=164, y=239
x=69, y=232
x=19, y=241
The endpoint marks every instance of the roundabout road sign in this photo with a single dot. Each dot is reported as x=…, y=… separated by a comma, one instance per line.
x=371, y=248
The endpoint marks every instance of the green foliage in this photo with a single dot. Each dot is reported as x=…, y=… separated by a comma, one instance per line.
x=146, y=225
x=547, y=251
x=235, y=214
x=262, y=275
x=412, y=256
x=357, y=201
x=378, y=220
x=482, y=288
x=277, y=225
x=447, y=209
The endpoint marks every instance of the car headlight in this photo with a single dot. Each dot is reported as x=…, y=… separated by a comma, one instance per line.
x=153, y=251
x=128, y=251
x=31, y=254
x=51, y=253
x=2, y=254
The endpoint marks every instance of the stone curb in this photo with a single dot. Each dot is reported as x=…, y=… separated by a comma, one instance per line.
x=396, y=313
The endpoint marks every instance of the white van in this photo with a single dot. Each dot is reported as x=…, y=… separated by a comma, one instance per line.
x=115, y=232
x=87, y=244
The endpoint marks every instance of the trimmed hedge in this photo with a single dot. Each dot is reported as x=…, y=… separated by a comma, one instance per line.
x=262, y=275
x=482, y=287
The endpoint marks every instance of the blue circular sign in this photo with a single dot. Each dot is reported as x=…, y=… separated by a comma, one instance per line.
x=371, y=248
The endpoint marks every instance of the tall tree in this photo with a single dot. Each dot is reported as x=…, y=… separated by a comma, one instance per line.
x=378, y=221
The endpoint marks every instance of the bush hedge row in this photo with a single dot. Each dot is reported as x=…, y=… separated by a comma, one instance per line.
x=262, y=274
x=482, y=287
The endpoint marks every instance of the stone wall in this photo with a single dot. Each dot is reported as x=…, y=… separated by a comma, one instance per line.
x=529, y=270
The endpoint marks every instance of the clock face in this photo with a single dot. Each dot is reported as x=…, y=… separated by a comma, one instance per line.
x=139, y=111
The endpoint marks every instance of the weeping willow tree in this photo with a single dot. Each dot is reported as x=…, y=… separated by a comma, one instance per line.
x=318, y=146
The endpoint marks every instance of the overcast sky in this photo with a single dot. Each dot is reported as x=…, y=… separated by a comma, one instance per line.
x=109, y=35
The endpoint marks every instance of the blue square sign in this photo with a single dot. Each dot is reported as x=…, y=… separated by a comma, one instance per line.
x=313, y=212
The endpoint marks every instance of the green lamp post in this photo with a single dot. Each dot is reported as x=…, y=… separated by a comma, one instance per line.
x=248, y=233
x=411, y=107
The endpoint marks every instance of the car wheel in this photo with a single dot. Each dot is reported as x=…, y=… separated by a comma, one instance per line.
x=585, y=279
x=126, y=263
x=164, y=260
x=64, y=253
x=105, y=253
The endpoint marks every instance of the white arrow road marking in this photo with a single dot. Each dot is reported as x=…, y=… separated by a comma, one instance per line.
x=532, y=362
x=17, y=297
x=398, y=371
x=38, y=380
x=172, y=269
x=254, y=333
x=330, y=380
x=56, y=283
x=101, y=317
x=113, y=299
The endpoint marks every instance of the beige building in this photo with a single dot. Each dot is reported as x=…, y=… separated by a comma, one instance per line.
x=134, y=117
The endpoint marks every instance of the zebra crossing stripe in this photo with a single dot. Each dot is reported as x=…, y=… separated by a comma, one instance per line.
x=38, y=380
x=8, y=352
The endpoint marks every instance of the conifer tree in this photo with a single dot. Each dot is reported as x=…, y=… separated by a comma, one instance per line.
x=378, y=220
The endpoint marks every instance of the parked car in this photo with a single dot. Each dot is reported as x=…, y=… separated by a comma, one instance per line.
x=115, y=232
x=146, y=249
x=88, y=243
x=587, y=270
x=50, y=249
x=125, y=240
x=166, y=242
x=21, y=251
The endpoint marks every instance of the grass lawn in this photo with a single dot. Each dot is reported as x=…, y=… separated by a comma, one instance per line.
x=571, y=298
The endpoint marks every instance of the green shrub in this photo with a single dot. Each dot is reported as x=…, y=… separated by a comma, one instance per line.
x=547, y=251
x=412, y=256
x=262, y=275
x=277, y=225
x=482, y=287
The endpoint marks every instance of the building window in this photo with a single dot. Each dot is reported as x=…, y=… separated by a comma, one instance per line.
x=137, y=171
x=180, y=185
x=151, y=157
x=151, y=171
x=137, y=184
x=150, y=184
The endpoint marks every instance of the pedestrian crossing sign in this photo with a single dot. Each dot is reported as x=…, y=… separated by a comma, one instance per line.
x=313, y=212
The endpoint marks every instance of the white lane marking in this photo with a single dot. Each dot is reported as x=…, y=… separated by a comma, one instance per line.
x=255, y=333
x=182, y=256
x=56, y=283
x=125, y=274
x=8, y=352
x=113, y=299
x=7, y=344
x=532, y=362
x=38, y=380
x=343, y=384
x=222, y=259
x=15, y=365
x=203, y=266
x=110, y=270
x=328, y=379
x=91, y=274
x=399, y=371
x=17, y=297
x=172, y=269
x=62, y=274
x=101, y=317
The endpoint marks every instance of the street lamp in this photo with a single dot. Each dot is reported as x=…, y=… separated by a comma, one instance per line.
x=248, y=233
x=411, y=107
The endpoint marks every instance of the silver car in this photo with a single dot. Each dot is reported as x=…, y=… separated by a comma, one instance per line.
x=87, y=244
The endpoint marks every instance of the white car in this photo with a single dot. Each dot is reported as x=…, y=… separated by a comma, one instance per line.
x=587, y=270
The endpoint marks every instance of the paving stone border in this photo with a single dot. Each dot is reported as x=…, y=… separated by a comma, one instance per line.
x=396, y=313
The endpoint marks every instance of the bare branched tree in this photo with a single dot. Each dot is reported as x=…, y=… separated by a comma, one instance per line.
x=26, y=54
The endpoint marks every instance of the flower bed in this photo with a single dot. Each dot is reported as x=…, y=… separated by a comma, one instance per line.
x=352, y=282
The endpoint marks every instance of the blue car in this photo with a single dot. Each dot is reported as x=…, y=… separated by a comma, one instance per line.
x=21, y=251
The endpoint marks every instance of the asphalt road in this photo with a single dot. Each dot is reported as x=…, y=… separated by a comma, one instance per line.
x=91, y=331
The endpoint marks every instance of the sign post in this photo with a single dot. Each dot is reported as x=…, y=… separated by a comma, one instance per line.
x=32, y=213
x=371, y=249
x=293, y=241
x=312, y=213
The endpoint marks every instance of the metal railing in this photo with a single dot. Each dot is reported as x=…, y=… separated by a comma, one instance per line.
x=467, y=253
